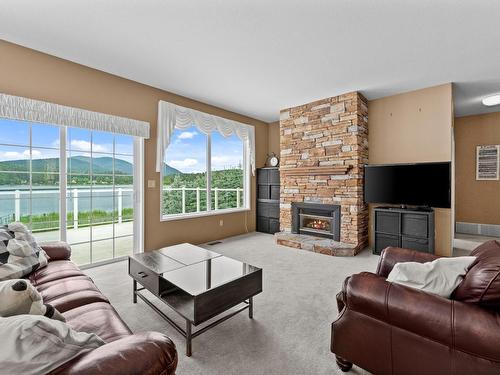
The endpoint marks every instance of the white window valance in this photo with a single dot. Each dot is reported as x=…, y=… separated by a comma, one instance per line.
x=19, y=108
x=171, y=116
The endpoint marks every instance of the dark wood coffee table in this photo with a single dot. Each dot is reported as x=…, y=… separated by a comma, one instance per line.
x=196, y=283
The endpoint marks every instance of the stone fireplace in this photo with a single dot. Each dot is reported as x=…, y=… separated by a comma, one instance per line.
x=320, y=220
x=324, y=146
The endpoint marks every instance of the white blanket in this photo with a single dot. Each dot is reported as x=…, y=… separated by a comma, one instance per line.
x=34, y=344
x=439, y=277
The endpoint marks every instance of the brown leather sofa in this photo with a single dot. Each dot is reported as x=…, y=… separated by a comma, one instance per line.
x=387, y=328
x=86, y=309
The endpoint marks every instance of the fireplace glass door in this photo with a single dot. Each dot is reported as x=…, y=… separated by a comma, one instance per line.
x=316, y=219
x=315, y=223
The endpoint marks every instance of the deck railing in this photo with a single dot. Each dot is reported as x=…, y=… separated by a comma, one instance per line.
x=200, y=190
x=73, y=194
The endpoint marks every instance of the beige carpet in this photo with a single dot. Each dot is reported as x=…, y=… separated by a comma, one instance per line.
x=290, y=332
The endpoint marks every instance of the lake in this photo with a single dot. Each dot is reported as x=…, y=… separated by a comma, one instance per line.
x=46, y=199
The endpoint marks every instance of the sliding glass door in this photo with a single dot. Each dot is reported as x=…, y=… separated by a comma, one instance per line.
x=71, y=184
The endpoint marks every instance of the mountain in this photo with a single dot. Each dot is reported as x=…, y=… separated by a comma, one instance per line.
x=78, y=165
x=168, y=170
x=102, y=165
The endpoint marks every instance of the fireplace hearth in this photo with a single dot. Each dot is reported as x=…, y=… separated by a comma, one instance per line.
x=316, y=219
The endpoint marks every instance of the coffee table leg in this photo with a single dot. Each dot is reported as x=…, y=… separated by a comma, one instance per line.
x=250, y=307
x=188, y=338
x=134, y=296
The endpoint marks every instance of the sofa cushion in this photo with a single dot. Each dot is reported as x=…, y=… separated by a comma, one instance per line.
x=57, y=250
x=70, y=292
x=55, y=270
x=99, y=318
x=481, y=284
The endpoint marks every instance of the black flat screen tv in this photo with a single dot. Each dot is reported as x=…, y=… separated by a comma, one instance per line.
x=421, y=184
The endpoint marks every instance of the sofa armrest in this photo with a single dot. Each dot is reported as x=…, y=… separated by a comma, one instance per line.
x=57, y=250
x=392, y=255
x=147, y=353
x=460, y=326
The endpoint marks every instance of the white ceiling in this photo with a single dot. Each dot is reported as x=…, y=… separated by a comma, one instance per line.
x=256, y=57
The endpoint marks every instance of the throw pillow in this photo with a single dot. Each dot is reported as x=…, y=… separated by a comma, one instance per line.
x=440, y=277
x=34, y=344
x=20, y=297
x=19, y=253
x=22, y=233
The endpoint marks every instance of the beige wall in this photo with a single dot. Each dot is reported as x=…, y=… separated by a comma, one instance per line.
x=414, y=127
x=32, y=74
x=273, y=137
x=411, y=127
x=475, y=201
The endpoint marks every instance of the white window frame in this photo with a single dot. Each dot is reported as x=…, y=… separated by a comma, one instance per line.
x=209, y=212
x=138, y=195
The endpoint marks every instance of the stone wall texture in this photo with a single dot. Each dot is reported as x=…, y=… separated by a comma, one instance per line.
x=326, y=133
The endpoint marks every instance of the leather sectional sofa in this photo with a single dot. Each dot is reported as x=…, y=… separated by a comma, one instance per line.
x=387, y=328
x=85, y=308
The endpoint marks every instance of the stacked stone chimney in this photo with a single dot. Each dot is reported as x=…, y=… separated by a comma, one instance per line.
x=315, y=138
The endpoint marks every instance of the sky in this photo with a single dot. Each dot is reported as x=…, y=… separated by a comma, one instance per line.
x=187, y=151
x=45, y=141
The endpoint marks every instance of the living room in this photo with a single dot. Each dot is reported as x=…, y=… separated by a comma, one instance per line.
x=276, y=200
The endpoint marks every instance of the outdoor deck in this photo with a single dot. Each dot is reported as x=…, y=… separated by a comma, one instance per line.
x=102, y=245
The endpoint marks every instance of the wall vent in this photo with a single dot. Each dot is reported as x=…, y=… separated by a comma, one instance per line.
x=214, y=243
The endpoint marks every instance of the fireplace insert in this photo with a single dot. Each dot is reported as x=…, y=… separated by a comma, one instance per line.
x=316, y=219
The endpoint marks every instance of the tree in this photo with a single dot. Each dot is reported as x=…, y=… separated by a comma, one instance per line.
x=222, y=179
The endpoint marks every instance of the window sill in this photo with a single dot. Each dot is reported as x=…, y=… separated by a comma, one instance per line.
x=193, y=215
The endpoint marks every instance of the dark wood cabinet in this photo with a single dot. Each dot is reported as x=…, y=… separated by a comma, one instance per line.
x=268, y=200
x=410, y=229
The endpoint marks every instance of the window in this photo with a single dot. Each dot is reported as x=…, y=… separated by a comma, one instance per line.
x=198, y=166
x=97, y=179
x=227, y=172
x=99, y=195
x=29, y=176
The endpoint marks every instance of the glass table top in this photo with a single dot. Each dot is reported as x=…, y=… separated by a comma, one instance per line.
x=199, y=277
x=157, y=262
x=187, y=254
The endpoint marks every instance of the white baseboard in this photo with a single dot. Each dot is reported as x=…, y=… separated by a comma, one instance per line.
x=478, y=229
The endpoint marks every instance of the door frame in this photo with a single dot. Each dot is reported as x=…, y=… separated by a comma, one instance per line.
x=138, y=195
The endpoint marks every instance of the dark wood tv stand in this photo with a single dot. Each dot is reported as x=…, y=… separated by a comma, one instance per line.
x=410, y=228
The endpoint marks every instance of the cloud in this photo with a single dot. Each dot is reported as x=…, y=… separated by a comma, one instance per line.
x=186, y=163
x=15, y=155
x=35, y=154
x=81, y=145
x=186, y=135
x=221, y=159
x=25, y=155
x=226, y=161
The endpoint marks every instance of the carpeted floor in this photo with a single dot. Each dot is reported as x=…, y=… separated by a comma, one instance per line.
x=290, y=332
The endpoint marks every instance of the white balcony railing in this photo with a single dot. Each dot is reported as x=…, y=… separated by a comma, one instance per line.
x=199, y=190
x=73, y=194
